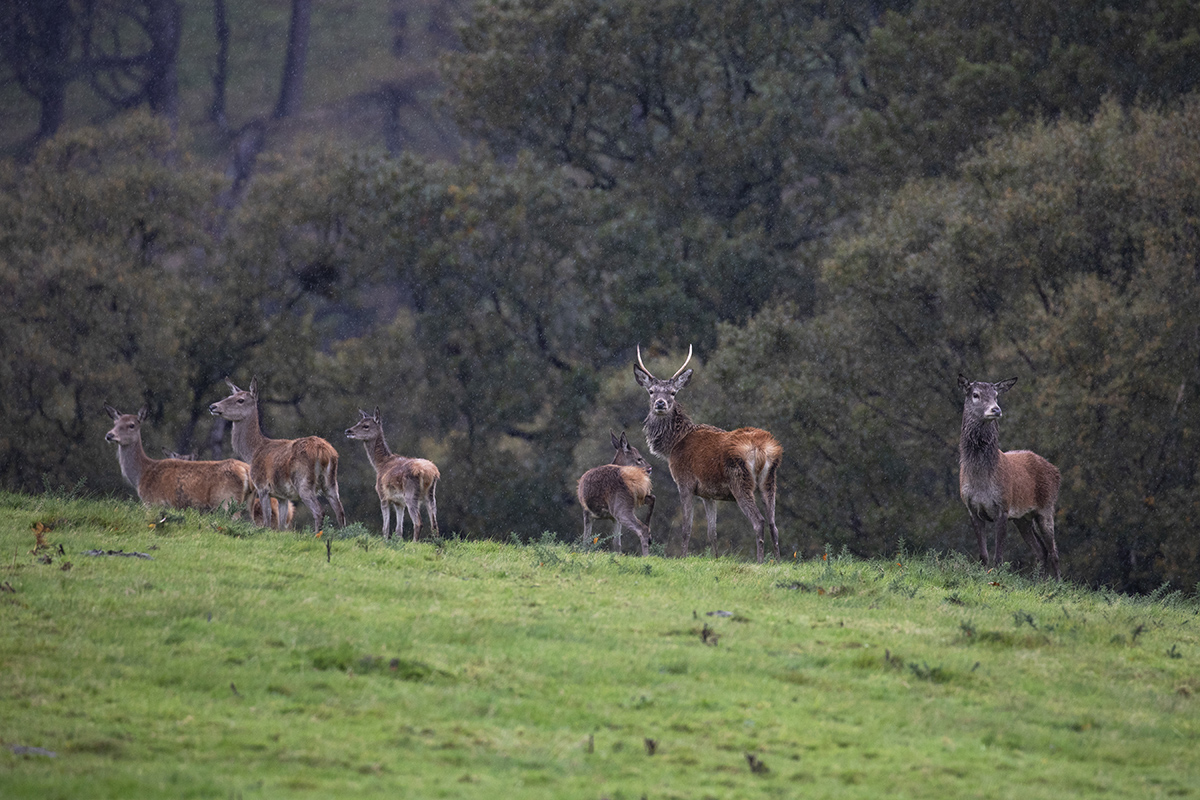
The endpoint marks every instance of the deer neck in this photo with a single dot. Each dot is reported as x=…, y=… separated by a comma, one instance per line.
x=247, y=437
x=664, y=433
x=979, y=446
x=377, y=451
x=134, y=461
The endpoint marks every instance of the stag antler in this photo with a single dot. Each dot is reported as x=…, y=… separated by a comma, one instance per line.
x=685, y=363
x=651, y=374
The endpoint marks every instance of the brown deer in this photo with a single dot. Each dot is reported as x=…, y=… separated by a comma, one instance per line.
x=410, y=481
x=255, y=510
x=708, y=462
x=301, y=470
x=175, y=482
x=996, y=486
x=615, y=490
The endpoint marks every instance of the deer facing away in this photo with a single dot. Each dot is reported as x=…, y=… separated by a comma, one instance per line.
x=708, y=462
x=176, y=482
x=411, y=481
x=615, y=490
x=998, y=486
x=302, y=470
x=255, y=510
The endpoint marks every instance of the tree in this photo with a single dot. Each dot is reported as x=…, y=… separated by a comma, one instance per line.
x=948, y=75
x=38, y=41
x=1064, y=255
x=291, y=88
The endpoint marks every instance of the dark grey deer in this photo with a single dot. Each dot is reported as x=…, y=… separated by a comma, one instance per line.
x=615, y=490
x=998, y=486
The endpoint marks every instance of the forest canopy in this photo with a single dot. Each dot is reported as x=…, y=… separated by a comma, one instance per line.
x=841, y=208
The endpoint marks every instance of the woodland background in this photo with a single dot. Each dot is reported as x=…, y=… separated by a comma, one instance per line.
x=470, y=214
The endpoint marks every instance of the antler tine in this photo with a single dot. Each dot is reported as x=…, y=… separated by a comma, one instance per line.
x=685, y=363
x=640, y=364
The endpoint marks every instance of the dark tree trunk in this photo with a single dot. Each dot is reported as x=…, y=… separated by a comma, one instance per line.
x=35, y=39
x=216, y=112
x=166, y=31
x=291, y=90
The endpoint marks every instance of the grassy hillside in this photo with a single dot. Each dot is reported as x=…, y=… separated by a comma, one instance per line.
x=237, y=663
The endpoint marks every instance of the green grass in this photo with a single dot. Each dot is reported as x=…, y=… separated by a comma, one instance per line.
x=238, y=663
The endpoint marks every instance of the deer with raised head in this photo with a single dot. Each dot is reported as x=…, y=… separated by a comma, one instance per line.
x=175, y=482
x=997, y=486
x=615, y=490
x=301, y=470
x=708, y=462
x=398, y=480
x=289, y=509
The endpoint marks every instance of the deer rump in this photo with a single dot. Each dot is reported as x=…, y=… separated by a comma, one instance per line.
x=597, y=484
x=747, y=455
x=406, y=474
x=196, y=484
x=281, y=467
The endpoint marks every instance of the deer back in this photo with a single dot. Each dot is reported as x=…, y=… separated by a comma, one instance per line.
x=195, y=484
x=285, y=465
x=600, y=485
x=705, y=458
x=401, y=475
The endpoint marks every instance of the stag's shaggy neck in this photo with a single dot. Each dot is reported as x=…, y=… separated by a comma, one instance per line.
x=979, y=445
x=247, y=436
x=663, y=433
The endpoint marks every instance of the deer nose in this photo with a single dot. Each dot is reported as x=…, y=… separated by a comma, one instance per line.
x=660, y=405
x=994, y=412
x=212, y=409
x=108, y=437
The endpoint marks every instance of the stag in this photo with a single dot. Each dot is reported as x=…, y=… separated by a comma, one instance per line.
x=708, y=462
x=615, y=490
x=998, y=486
x=301, y=470
x=289, y=512
x=411, y=481
x=176, y=482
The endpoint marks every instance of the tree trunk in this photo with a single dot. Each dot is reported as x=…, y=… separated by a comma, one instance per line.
x=166, y=32
x=216, y=112
x=35, y=40
x=292, y=88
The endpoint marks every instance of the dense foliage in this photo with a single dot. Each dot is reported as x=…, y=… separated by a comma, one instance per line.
x=814, y=197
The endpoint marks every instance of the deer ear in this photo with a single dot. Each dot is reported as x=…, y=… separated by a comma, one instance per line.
x=112, y=412
x=963, y=383
x=142, y=412
x=681, y=380
x=233, y=389
x=643, y=378
x=375, y=416
x=1004, y=386
x=624, y=442
x=616, y=443
x=254, y=386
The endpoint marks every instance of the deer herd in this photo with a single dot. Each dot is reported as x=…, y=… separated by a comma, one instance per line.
x=270, y=475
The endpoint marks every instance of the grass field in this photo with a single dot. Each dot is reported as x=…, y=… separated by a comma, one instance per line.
x=236, y=663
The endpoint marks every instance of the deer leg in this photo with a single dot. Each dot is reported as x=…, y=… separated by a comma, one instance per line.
x=335, y=502
x=264, y=505
x=686, y=509
x=431, y=510
x=1044, y=526
x=650, y=513
x=1001, y=533
x=414, y=513
x=616, y=536
x=710, y=516
x=629, y=519
x=1025, y=528
x=750, y=509
x=313, y=503
x=977, y=524
x=768, y=493
x=386, y=509
x=587, y=528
